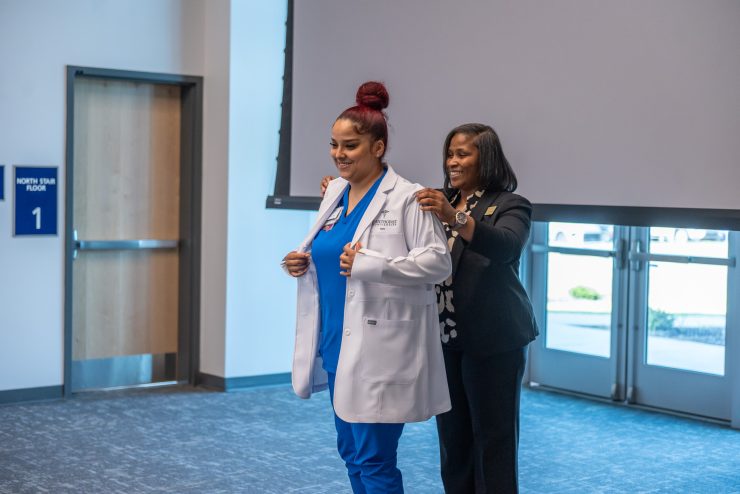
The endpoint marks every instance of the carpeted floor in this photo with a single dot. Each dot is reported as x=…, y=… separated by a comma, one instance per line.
x=265, y=440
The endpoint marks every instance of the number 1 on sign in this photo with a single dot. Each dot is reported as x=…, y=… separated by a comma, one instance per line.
x=37, y=213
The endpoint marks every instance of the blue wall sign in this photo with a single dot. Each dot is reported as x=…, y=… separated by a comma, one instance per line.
x=2, y=183
x=35, y=200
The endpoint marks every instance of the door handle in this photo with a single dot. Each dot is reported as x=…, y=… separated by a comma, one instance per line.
x=143, y=244
x=140, y=244
x=637, y=256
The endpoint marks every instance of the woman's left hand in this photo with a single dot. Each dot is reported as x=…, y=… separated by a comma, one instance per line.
x=347, y=259
x=436, y=202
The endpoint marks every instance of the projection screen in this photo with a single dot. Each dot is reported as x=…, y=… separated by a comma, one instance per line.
x=627, y=103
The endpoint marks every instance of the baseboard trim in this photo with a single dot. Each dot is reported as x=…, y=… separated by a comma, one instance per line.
x=31, y=394
x=210, y=381
x=234, y=383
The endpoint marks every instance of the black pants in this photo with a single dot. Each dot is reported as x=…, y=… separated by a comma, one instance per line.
x=478, y=438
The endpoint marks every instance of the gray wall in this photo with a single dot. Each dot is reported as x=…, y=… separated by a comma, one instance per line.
x=248, y=333
x=37, y=39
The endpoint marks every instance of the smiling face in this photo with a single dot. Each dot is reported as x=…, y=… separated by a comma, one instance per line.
x=355, y=155
x=462, y=163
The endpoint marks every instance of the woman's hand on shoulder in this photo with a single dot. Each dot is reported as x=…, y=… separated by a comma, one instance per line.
x=297, y=263
x=435, y=201
x=325, y=183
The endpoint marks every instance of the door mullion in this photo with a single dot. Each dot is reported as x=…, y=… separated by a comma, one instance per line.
x=620, y=314
x=636, y=308
x=732, y=333
x=538, y=294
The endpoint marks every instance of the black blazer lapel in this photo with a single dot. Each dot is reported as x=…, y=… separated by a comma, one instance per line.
x=477, y=213
x=485, y=202
x=455, y=253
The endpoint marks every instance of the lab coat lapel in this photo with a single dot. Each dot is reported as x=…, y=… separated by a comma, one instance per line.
x=376, y=204
x=332, y=200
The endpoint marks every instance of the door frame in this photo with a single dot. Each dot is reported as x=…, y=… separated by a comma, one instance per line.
x=191, y=172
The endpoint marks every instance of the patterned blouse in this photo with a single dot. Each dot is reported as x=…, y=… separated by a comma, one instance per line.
x=447, y=326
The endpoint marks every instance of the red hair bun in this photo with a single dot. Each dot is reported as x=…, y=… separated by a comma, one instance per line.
x=372, y=94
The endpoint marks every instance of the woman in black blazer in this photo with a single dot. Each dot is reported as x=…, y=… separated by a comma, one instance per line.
x=486, y=318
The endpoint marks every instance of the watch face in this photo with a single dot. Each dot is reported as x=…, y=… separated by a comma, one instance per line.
x=460, y=219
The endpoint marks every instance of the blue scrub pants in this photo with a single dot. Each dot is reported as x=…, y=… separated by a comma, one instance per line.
x=370, y=453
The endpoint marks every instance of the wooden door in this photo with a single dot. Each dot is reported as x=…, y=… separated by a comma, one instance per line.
x=126, y=218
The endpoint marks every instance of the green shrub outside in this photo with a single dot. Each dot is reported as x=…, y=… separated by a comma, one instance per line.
x=584, y=293
x=659, y=320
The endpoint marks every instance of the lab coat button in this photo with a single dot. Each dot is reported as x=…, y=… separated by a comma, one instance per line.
x=347, y=331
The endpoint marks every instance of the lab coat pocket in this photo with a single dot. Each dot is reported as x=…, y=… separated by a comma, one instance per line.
x=390, y=351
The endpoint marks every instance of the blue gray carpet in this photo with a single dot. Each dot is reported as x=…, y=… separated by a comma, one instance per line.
x=265, y=440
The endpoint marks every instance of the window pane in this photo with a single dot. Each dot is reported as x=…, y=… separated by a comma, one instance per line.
x=688, y=242
x=579, y=304
x=686, y=319
x=581, y=235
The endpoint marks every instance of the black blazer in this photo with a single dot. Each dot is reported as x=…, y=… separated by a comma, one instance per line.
x=492, y=309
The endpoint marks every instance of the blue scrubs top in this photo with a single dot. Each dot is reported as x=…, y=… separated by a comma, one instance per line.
x=325, y=252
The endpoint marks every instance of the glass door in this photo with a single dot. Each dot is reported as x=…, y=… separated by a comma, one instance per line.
x=578, y=285
x=681, y=279
x=637, y=314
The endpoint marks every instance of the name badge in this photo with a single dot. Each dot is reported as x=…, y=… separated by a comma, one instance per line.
x=333, y=218
x=490, y=211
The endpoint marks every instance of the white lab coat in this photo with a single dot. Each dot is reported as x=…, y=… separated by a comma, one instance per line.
x=390, y=364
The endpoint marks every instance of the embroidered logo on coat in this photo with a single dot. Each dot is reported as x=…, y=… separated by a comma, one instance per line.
x=386, y=222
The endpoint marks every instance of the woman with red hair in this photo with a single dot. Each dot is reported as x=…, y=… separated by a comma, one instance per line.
x=367, y=316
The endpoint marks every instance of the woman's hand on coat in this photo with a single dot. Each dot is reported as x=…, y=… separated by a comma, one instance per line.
x=325, y=183
x=347, y=259
x=436, y=202
x=297, y=263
